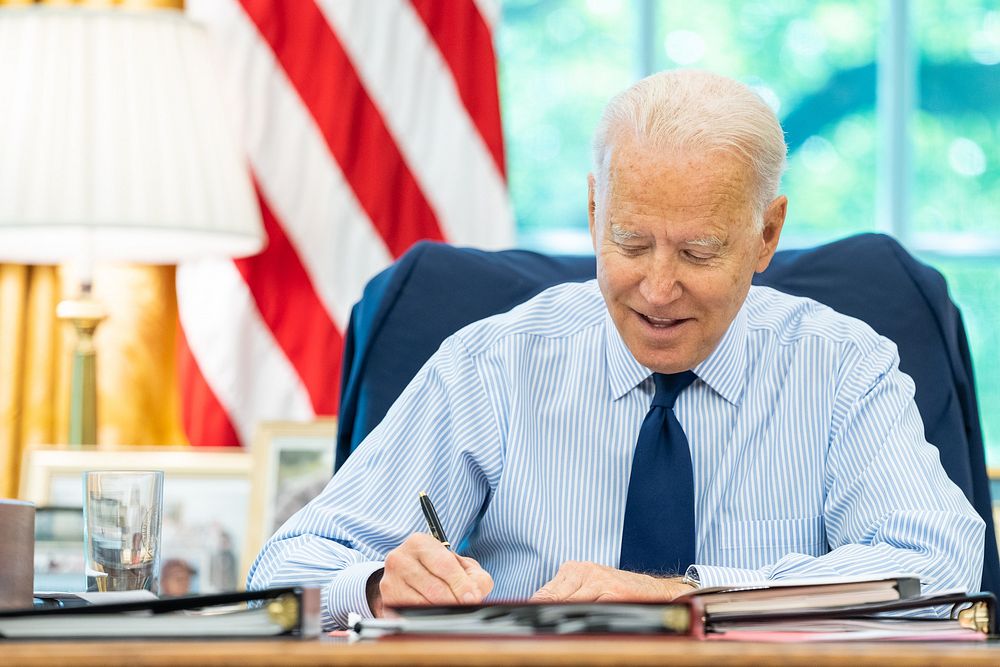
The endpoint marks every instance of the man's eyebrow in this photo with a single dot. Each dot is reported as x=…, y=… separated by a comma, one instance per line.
x=709, y=242
x=620, y=234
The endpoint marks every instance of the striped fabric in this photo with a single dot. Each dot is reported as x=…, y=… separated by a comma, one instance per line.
x=368, y=126
x=808, y=455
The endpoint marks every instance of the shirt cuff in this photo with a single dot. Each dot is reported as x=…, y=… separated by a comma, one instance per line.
x=708, y=576
x=347, y=593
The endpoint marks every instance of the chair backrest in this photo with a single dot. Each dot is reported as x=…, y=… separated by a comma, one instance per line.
x=435, y=289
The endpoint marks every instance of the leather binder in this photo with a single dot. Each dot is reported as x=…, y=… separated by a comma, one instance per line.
x=535, y=619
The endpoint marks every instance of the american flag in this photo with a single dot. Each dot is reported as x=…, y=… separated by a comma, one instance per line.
x=368, y=125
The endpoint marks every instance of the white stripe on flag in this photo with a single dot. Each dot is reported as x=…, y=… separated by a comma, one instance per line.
x=490, y=11
x=214, y=292
x=304, y=186
x=422, y=109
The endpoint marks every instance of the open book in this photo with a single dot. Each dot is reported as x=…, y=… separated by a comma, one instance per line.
x=972, y=617
x=814, y=593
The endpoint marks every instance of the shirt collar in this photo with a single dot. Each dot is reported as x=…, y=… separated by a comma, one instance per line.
x=624, y=372
x=723, y=370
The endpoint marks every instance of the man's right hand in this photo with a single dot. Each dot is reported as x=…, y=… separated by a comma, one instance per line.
x=421, y=570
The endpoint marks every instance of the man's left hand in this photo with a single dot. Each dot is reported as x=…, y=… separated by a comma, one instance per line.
x=589, y=582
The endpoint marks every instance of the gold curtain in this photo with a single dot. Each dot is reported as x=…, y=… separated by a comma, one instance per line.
x=137, y=393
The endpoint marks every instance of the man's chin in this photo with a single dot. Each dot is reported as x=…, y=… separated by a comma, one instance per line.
x=670, y=369
x=668, y=364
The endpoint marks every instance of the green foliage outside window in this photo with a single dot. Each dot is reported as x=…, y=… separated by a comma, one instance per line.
x=816, y=64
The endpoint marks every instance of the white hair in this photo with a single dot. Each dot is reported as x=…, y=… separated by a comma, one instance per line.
x=694, y=110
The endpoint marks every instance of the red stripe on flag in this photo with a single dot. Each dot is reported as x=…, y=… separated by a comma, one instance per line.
x=466, y=44
x=323, y=75
x=205, y=421
x=294, y=313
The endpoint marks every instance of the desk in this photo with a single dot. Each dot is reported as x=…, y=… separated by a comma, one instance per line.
x=623, y=651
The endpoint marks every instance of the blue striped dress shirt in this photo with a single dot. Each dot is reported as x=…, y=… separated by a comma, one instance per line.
x=808, y=453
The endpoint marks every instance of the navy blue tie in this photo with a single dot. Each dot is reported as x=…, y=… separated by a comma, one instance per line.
x=658, y=535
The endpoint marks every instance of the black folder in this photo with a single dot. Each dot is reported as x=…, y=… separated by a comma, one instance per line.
x=273, y=612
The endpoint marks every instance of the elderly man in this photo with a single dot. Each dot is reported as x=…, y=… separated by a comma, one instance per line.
x=667, y=419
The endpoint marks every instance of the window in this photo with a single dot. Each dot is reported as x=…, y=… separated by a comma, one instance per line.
x=560, y=61
x=891, y=111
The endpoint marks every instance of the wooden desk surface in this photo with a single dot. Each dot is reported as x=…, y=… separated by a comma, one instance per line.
x=611, y=651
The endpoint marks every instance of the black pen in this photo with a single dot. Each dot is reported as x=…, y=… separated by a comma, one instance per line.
x=432, y=520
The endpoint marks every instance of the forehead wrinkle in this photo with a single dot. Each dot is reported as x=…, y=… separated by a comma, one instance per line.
x=730, y=183
x=719, y=203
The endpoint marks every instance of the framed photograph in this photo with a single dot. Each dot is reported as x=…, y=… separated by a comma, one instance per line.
x=59, y=562
x=206, y=500
x=292, y=463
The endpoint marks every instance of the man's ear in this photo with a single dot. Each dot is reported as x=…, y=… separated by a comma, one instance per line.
x=774, y=220
x=592, y=209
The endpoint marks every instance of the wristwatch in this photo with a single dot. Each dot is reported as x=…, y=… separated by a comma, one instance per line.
x=691, y=577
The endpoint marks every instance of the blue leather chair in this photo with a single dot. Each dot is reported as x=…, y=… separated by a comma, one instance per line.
x=435, y=289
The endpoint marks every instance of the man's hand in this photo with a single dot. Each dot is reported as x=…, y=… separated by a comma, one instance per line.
x=422, y=571
x=590, y=582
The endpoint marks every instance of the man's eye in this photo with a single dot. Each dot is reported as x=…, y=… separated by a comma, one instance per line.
x=630, y=249
x=697, y=256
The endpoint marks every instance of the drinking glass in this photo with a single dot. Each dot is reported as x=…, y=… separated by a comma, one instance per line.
x=123, y=511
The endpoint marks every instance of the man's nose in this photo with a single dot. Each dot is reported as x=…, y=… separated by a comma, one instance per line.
x=661, y=284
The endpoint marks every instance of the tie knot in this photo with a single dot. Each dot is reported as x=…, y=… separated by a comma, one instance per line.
x=669, y=387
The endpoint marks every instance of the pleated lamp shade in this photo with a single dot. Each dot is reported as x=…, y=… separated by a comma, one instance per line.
x=114, y=144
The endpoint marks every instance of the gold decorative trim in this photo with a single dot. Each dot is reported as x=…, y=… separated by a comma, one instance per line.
x=177, y=5
x=976, y=617
x=152, y=4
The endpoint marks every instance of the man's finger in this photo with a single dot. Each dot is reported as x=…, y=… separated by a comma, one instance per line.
x=547, y=593
x=570, y=582
x=397, y=593
x=404, y=566
x=447, y=567
x=482, y=578
x=566, y=582
x=543, y=594
x=587, y=593
x=468, y=564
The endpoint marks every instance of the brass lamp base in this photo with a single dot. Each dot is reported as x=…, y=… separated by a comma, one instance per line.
x=84, y=313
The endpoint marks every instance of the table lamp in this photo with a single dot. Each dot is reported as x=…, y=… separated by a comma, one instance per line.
x=114, y=145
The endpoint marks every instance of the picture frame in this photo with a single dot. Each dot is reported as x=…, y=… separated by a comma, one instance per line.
x=292, y=463
x=206, y=500
x=58, y=559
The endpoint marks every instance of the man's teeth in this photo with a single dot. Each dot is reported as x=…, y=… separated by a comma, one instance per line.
x=660, y=320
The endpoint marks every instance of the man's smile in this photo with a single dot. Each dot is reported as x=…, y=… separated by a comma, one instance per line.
x=663, y=324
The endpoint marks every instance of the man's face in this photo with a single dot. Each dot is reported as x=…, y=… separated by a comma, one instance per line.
x=676, y=248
